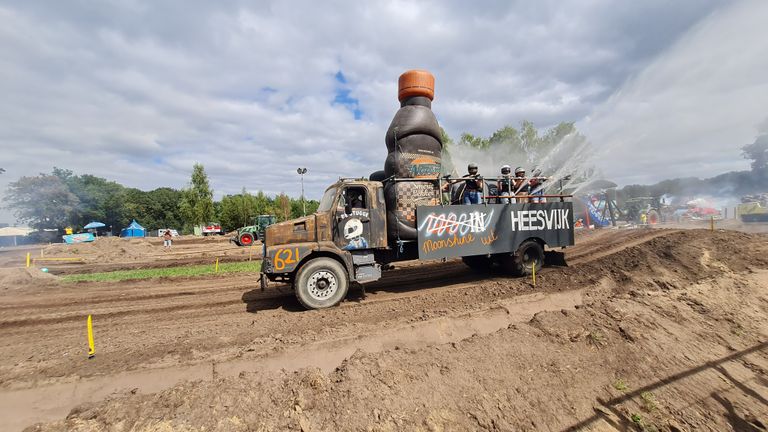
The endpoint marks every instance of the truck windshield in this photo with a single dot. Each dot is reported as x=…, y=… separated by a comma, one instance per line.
x=327, y=201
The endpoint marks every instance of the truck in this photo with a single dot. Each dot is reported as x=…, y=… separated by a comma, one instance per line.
x=348, y=242
x=248, y=235
x=212, y=229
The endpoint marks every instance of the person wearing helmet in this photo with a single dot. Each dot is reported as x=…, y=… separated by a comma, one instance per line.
x=505, y=185
x=473, y=185
x=536, y=187
x=520, y=186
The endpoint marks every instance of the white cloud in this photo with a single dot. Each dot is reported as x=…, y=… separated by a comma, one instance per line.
x=136, y=91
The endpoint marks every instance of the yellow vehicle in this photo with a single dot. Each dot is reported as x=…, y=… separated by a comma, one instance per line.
x=754, y=211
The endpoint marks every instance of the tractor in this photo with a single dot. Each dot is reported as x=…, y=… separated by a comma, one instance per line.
x=247, y=235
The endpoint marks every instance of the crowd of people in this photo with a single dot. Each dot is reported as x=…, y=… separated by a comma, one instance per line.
x=510, y=188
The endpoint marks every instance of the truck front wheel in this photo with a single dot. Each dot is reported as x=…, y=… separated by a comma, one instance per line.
x=321, y=283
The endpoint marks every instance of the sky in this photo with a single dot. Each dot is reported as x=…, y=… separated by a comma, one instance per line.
x=138, y=91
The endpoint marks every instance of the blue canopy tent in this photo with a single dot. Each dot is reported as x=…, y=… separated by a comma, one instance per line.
x=133, y=230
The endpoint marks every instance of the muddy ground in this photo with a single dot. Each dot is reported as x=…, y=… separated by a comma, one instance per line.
x=645, y=330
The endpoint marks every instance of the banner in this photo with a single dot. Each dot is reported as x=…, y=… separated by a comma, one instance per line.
x=463, y=230
x=78, y=238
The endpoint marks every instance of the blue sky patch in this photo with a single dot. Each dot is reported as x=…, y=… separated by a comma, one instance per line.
x=343, y=97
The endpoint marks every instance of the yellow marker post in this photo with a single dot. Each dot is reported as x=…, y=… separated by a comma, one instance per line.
x=711, y=223
x=534, y=273
x=29, y=258
x=91, y=347
x=217, y=266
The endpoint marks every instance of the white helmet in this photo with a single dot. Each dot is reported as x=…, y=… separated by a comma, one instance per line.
x=353, y=228
x=506, y=168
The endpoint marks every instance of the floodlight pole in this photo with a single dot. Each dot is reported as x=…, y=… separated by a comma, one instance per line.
x=301, y=172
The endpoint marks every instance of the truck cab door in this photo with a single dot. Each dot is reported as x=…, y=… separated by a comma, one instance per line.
x=352, y=219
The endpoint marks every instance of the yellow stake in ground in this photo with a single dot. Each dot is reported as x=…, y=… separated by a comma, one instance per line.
x=91, y=347
x=534, y=273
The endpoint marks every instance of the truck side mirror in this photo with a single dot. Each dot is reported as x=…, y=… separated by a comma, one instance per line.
x=348, y=208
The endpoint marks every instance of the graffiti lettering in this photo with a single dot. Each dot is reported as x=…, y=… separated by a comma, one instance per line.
x=535, y=220
x=487, y=240
x=285, y=256
x=462, y=224
x=449, y=243
x=355, y=212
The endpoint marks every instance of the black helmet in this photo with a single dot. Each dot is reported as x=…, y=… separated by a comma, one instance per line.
x=471, y=166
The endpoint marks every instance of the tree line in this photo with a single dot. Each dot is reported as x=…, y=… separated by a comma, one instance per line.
x=63, y=199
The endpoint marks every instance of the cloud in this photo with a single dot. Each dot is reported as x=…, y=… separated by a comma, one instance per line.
x=137, y=91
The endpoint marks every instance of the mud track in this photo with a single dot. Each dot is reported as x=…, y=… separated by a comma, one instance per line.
x=209, y=325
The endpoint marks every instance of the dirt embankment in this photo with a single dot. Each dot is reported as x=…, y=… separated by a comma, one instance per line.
x=669, y=334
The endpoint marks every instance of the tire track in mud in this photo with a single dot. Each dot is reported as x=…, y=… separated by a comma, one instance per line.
x=209, y=298
x=121, y=296
x=236, y=317
x=413, y=279
x=594, y=250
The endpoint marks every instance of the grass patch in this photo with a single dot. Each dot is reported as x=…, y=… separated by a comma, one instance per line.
x=596, y=338
x=620, y=385
x=182, y=271
x=649, y=401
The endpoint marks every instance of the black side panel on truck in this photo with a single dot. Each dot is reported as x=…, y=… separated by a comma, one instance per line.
x=464, y=230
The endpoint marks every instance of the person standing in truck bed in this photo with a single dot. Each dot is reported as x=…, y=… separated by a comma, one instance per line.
x=473, y=185
x=504, y=188
x=520, y=185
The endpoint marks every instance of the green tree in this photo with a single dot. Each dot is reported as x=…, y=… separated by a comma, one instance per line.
x=156, y=209
x=196, y=205
x=469, y=140
x=44, y=201
x=237, y=210
x=283, y=204
x=99, y=199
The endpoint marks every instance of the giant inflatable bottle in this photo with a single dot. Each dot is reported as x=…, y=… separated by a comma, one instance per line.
x=414, y=146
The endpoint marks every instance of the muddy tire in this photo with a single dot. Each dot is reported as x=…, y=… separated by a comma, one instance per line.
x=321, y=283
x=246, y=239
x=521, y=263
x=478, y=263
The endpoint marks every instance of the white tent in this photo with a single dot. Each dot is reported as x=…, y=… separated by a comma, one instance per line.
x=15, y=232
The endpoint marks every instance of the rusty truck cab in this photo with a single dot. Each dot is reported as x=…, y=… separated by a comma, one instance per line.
x=349, y=224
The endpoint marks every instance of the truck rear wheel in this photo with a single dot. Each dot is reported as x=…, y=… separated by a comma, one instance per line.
x=529, y=253
x=321, y=283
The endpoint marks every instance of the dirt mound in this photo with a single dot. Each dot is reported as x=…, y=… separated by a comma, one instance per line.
x=671, y=336
x=103, y=249
x=16, y=278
